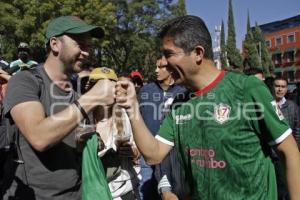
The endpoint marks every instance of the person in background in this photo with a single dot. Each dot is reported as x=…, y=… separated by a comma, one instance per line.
x=23, y=62
x=4, y=77
x=137, y=79
x=3, y=64
x=224, y=153
x=155, y=100
x=112, y=144
x=290, y=111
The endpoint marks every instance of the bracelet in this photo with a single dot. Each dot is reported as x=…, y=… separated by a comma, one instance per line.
x=84, y=114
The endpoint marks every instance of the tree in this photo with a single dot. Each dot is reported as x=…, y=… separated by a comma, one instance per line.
x=223, y=56
x=133, y=36
x=27, y=21
x=179, y=8
x=251, y=59
x=233, y=54
x=266, y=60
x=8, y=20
x=133, y=42
x=130, y=28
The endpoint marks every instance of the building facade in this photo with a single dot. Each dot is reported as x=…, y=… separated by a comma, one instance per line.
x=283, y=41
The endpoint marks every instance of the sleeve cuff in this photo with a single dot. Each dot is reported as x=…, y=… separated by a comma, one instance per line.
x=282, y=137
x=163, y=140
x=164, y=185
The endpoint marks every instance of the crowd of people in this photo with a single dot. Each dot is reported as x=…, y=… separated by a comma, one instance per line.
x=196, y=132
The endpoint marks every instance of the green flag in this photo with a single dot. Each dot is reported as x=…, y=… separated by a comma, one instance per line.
x=94, y=183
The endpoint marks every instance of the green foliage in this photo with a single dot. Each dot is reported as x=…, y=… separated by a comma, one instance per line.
x=27, y=21
x=179, y=8
x=266, y=60
x=8, y=21
x=132, y=43
x=223, y=56
x=233, y=54
x=130, y=27
x=251, y=59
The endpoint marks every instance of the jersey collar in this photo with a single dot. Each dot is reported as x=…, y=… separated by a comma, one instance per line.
x=211, y=85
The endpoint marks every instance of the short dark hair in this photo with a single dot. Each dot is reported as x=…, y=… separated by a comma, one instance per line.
x=269, y=83
x=188, y=31
x=253, y=71
x=137, y=80
x=280, y=78
x=124, y=74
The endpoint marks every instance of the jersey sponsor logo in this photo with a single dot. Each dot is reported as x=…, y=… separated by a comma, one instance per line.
x=208, y=160
x=221, y=113
x=277, y=110
x=180, y=119
x=211, y=163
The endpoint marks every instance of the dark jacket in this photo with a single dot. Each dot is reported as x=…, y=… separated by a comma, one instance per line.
x=155, y=104
x=152, y=99
x=290, y=110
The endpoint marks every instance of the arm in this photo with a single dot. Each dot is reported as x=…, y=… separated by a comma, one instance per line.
x=292, y=162
x=169, y=196
x=43, y=132
x=153, y=150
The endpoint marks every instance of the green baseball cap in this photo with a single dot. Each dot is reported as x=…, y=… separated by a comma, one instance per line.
x=72, y=25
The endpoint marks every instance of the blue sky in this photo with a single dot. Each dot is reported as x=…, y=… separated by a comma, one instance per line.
x=261, y=11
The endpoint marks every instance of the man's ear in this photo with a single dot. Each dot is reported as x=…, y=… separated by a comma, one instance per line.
x=54, y=44
x=199, y=51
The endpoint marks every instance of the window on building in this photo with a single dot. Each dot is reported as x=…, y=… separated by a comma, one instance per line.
x=290, y=56
x=278, y=74
x=291, y=76
x=268, y=43
x=278, y=41
x=291, y=38
x=277, y=59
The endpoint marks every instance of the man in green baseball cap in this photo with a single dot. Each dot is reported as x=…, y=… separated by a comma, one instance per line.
x=72, y=25
x=74, y=35
x=49, y=113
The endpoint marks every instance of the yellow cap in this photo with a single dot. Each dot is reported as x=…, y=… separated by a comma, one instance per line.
x=103, y=73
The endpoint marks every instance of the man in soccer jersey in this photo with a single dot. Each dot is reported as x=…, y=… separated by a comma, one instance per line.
x=224, y=132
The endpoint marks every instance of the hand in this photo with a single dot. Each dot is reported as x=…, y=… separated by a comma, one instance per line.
x=125, y=94
x=102, y=93
x=4, y=76
x=82, y=134
x=136, y=155
x=169, y=196
x=2, y=71
x=127, y=149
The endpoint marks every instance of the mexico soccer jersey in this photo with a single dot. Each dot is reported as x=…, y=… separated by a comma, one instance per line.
x=223, y=135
